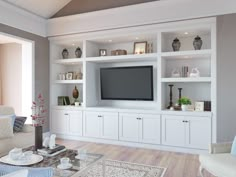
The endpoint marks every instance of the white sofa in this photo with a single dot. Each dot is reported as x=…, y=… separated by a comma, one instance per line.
x=219, y=162
x=20, y=140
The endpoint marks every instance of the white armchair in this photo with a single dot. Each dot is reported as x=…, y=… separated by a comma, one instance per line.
x=219, y=162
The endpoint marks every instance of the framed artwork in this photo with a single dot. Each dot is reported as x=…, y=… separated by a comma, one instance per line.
x=140, y=47
x=69, y=76
x=102, y=52
x=199, y=106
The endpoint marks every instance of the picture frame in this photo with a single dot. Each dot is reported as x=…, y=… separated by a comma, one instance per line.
x=199, y=106
x=69, y=76
x=102, y=52
x=140, y=47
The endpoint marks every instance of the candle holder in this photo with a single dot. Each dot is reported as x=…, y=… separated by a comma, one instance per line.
x=180, y=89
x=171, y=94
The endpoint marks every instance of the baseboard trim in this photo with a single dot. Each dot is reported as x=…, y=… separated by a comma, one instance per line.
x=132, y=144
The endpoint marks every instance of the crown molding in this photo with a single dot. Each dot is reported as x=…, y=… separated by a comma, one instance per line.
x=140, y=14
x=18, y=18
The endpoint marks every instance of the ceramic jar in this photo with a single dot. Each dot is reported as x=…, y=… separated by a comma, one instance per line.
x=65, y=54
x=197, y=43
x=184, y=107
x=176, y=44
x=78, y=52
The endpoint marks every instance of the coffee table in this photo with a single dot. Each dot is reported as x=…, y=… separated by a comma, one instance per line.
x=78, y=164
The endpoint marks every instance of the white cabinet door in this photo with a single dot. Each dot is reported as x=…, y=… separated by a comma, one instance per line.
x=109, y=125
x=75, y=122
x=59, y=121
x=150, y=129
x=198, y=132
x=173, y=130
x=129, y=127
x=92, y=124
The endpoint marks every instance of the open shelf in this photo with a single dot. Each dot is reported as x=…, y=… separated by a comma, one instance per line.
x=124, y=58
x=193, y=54
x=70, y=61
x=68, y=81
x=187, y=79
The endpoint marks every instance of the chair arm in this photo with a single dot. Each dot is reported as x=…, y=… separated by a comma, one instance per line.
x=28, y=128
x=220, y=148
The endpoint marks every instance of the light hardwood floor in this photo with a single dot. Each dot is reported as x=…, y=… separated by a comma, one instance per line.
x=177, y=164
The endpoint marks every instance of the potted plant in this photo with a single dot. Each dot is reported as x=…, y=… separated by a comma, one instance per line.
x=184, y=102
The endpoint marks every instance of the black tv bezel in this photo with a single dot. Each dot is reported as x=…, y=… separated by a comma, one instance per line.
x=130, y=99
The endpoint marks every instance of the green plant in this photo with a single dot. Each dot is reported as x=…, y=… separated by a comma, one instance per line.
x=184, y=101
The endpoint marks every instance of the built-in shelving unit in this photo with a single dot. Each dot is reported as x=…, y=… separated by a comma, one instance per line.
x=162, y=57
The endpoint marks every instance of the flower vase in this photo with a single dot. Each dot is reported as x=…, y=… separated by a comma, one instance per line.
x=38, y=137
x=184, y=107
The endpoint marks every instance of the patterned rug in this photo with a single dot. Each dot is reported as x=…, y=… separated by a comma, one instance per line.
x=122, y=169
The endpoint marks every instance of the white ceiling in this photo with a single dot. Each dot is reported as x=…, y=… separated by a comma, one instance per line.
x=43, y=8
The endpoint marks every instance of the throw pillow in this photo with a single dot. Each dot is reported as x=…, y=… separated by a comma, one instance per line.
x=19, y=124
x=233, y=149
x=6, y=130
x=12, y=116
x=20, y=173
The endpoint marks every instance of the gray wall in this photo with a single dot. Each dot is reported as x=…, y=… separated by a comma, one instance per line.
x=82, y=6
x=41, y=61
x=226, y=77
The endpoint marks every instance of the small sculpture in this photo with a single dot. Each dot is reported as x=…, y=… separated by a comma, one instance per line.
x=65, y=54
x=194, y=73
x=52, y=141
x=46, y=142
x=197, y=43
x=175, y=73
x=78, y=52
x=176, y=44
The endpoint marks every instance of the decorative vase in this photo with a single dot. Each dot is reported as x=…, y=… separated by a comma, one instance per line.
x=65, y=54
x=38, y=138
x=75, y=93
x=78, y=52
x=176, y=44
x=184, y=107
x=197, y=43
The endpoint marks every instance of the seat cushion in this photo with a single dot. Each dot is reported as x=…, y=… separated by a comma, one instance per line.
x=6, y=130
x=221, y=165
x=19, y=140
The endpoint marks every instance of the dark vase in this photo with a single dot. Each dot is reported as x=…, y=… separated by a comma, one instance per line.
x=75, y=93
x=38, y=137
x=65, y=54
x=197, y=43
x=78, y=53
x=176, y=44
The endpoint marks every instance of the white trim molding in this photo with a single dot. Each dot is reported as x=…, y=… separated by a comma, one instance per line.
x=18, y=18
x=141, y=14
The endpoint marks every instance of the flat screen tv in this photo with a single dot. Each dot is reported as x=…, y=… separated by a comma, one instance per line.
x=127, y=83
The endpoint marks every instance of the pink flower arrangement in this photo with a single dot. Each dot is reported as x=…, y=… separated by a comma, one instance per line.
x=38, y=111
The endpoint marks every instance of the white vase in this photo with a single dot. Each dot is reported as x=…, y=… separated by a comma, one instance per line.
x=184, y=107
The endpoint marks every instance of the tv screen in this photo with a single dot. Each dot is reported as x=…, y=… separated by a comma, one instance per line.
x=127, y=83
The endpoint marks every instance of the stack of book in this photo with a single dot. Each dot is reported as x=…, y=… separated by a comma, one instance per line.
x=52, y=152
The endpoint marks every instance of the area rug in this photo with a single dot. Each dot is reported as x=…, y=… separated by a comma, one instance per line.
x=122, y=169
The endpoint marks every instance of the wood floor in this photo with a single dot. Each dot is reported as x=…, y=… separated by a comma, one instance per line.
x=177, y=164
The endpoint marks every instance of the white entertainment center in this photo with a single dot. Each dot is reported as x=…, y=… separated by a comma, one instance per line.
x=137, y=123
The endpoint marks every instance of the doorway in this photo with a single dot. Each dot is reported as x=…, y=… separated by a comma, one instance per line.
x=17, y=74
